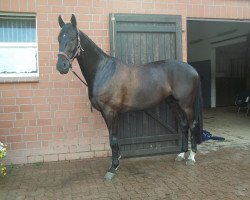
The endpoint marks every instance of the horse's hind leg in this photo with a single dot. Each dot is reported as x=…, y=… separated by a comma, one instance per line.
x=191, y=157
x=193, y=129
x=183, y=123
x=111, y=120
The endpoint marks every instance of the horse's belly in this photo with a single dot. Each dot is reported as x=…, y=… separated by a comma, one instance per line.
x=143, y=99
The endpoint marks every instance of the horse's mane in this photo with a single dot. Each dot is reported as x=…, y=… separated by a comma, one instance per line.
x=92, y=43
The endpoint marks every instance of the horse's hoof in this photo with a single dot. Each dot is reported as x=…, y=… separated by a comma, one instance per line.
x=109, y=176
x=190, y=162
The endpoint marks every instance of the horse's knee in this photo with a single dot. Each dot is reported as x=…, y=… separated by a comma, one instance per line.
x=113, y=141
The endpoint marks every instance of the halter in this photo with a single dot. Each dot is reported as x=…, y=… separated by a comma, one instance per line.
x=77, y=53
x=78, y=50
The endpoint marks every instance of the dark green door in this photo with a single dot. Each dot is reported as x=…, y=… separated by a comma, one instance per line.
x=138, y=39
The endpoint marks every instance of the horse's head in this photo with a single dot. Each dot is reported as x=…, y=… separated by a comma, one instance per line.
x=69, y=44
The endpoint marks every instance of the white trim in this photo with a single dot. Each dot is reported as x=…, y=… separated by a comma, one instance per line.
x=218, y=20
x=6, y=77
x=37, y=52
x=18, y=44
x=10, y=14
x=11, y=75
x=213, y=78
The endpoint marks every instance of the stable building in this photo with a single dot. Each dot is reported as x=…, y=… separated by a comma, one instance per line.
x=45, y=116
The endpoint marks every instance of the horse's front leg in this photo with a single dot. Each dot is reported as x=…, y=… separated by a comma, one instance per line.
x=111, y=119
x=115, y=158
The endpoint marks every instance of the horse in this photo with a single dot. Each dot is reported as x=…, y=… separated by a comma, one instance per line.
x=115, y=87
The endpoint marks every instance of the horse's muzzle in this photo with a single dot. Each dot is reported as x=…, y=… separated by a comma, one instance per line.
x=63, y=66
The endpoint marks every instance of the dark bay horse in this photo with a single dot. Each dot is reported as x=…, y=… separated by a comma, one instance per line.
x=114, y=87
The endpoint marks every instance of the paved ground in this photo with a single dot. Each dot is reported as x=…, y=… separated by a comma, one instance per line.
x=222, y=172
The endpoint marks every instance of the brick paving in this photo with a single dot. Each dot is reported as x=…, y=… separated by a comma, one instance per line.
x=221, y=174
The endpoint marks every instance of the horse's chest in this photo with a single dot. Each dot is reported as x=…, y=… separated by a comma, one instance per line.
x=95, y=103
x=99, y=98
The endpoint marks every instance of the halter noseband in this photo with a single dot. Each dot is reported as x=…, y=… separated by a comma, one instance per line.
x=78, y=50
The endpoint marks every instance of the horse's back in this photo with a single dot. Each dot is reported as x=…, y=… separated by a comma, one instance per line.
x=172, y=72
x=172, y=68
x=177, y=78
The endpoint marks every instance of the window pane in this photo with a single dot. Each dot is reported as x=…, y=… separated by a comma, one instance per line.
x=18, y=60
x=18, y=50
x=17, y=29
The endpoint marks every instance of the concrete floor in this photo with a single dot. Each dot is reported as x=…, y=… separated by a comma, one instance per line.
x=221, y=172
x=226, y=122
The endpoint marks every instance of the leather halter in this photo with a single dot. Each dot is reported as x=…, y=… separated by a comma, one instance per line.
x=77, y=53
x=78, y=50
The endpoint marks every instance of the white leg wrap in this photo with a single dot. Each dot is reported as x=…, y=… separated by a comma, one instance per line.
x=191, y=156
x=180, y=157
x=191, y=159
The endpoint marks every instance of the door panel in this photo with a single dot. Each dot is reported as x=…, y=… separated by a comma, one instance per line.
x=138, y=39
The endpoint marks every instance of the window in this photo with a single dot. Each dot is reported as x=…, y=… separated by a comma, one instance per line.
x=18, y=46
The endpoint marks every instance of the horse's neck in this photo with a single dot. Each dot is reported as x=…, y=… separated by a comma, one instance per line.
x=91, y=59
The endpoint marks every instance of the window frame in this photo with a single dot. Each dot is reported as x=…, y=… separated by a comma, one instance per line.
x=21, y=77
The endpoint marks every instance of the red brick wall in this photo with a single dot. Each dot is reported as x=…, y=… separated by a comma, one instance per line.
x=50, y=120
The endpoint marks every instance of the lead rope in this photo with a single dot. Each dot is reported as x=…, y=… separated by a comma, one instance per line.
x=91, y=107
x=78, y=77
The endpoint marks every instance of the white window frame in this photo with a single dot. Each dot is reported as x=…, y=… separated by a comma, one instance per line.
x=21, y=77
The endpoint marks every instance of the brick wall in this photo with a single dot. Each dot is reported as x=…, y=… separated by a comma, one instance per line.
x=50, y=120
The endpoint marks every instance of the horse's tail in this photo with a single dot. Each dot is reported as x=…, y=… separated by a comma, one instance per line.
x=198, y=115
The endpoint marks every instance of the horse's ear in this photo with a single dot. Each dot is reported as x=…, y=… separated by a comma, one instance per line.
x=73, y=20
x=60, y=21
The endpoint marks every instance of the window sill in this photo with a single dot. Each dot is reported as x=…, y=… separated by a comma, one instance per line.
x=19, y=79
